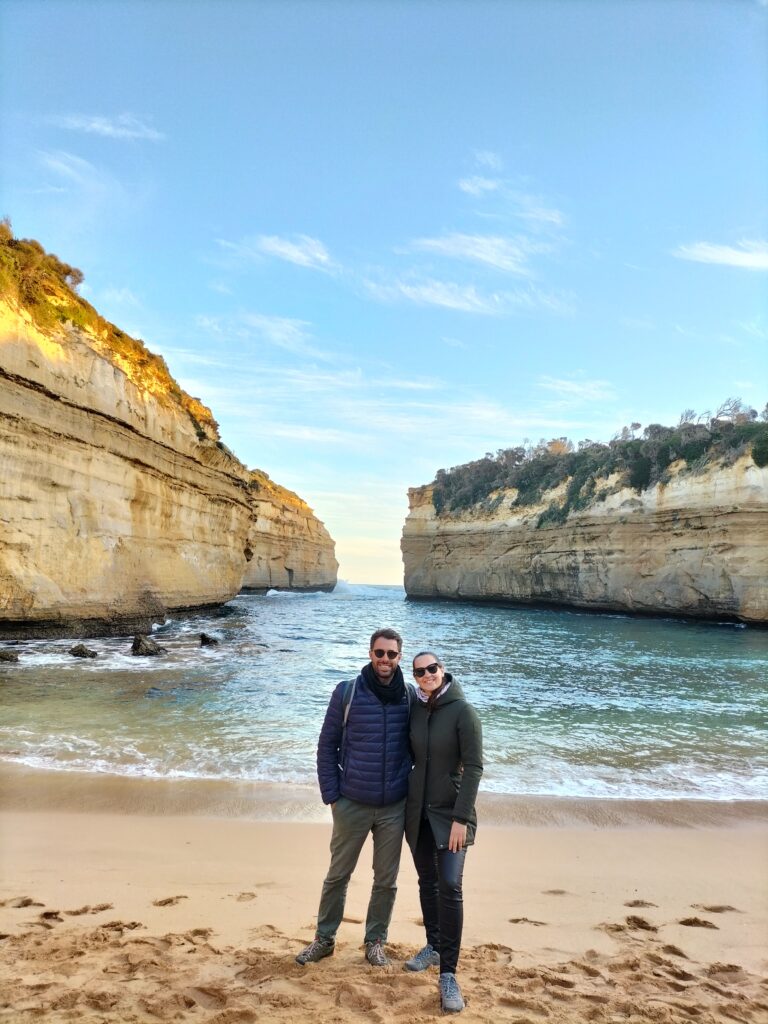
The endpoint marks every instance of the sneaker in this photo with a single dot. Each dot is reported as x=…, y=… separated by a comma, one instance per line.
x=375, y=955
x=450, y=994
x=316, y=950
x=426, y=957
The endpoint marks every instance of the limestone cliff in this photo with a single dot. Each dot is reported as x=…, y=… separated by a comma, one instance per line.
x=118, y=501
x=291, y=549
x=695, y=545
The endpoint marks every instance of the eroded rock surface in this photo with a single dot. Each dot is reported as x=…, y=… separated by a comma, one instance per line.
x=118, y=502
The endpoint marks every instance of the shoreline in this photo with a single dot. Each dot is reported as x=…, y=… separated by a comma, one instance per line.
x=607, y=611
x=30, y=789
x=129, y=918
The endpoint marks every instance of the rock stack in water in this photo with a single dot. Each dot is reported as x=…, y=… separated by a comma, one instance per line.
x=118, y=501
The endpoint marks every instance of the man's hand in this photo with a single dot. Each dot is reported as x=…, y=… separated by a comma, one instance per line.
x=458, y=837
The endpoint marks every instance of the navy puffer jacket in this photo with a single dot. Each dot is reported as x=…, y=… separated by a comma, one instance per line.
x=376, y=758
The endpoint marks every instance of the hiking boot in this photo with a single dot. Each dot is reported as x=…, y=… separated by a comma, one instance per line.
x=450, y=994
x=316, y=950
x=375, y=955
x=426, y=957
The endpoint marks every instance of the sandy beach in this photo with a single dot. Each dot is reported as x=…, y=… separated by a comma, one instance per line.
x=111, y=916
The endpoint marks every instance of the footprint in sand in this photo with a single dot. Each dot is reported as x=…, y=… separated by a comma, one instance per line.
x=352, y=920
x=639, y=903
x=726, y=972
x=207, y=998
x=21, y=901
x=671, y=950
x=639, y=923
x=245, y=897
x=716, y=908
x=88, y=909
x=527, y=920
x=169, y=901
x=554, y=892
x=697, y=922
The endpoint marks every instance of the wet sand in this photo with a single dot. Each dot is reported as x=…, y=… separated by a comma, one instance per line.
x=152, y=915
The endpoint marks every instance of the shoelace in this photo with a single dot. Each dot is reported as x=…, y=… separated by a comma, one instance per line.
x=451, y=987
x=314, y=946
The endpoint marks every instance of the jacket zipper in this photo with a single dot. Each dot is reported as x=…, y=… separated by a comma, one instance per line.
x=384, y=757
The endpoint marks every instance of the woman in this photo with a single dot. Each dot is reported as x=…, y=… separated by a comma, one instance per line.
x=440, y=820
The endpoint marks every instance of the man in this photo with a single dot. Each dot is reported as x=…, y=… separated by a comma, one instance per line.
x=363, y=762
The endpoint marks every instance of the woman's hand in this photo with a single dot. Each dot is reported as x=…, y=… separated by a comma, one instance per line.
x=458, y=838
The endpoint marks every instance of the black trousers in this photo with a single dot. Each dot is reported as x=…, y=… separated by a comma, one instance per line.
x=440, y=873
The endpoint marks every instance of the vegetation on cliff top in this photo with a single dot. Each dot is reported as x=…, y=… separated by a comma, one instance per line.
x=43, y=285
x=263, y=486
x=593, y=469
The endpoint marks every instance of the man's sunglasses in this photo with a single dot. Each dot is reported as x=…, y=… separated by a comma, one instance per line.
x=386, y=654
x=432, y=669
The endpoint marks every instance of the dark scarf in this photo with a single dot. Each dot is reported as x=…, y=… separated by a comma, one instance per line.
x=392, y=693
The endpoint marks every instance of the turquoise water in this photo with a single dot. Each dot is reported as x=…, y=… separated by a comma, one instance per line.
x=572, y=704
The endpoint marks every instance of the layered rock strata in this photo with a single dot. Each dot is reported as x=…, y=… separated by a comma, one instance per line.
x=290, y=548
x=696, y=546
x=118, y=502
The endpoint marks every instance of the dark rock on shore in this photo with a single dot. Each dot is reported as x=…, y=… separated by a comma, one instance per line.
x=8, y=656
x=81, y=651
x=144, y=646
x=208, y=641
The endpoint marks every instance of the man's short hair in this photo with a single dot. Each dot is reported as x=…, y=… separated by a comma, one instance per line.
x=387, y=634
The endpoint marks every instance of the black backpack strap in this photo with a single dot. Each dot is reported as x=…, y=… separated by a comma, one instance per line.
x=411, y=694
x=350, y=688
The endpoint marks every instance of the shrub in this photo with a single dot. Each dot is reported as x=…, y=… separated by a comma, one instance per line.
x=641, y=462
x=760, y=449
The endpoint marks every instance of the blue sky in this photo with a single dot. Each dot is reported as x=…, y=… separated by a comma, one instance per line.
x=383, y=238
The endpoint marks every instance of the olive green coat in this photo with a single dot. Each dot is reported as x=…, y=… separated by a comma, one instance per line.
x=447, y=749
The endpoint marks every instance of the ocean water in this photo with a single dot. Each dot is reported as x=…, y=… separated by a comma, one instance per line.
x=572, y=704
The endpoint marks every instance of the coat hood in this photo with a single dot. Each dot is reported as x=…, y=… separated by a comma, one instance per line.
x=453, y=693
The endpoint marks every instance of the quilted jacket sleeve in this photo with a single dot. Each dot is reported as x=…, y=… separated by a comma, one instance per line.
x=471, y=753
x=328, y=748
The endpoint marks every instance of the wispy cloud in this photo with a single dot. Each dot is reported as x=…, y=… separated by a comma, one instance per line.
x=447, y=294
x=72, y=168
x=755, y=328
x=315, y=435
x=86, y=191
x=122, y=126
x=509, y=254
x=477, y=185
x=302, y=250
x=487, y=158
x=749, y=255
x=535, y=210
x=579, y=389
x=468, y=298
x=282, y=332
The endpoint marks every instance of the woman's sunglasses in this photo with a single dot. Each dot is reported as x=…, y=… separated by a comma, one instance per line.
x=432, y=669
